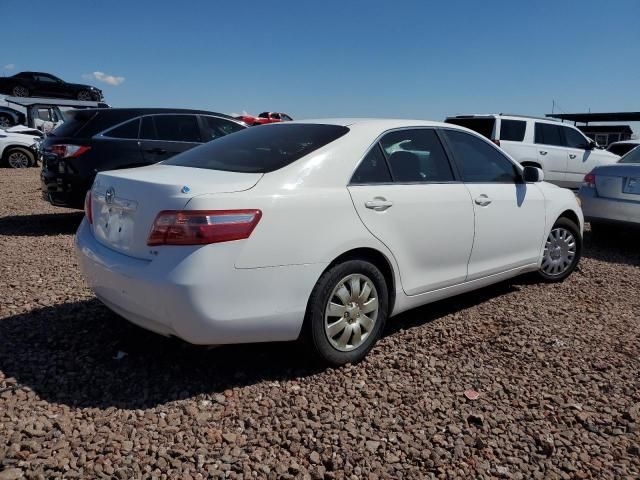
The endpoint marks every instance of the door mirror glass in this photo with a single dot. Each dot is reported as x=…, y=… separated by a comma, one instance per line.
x=591, y=145
x=532, y=174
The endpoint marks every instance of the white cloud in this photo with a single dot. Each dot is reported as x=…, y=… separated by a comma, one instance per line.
x=9, y=66
x=103, y=77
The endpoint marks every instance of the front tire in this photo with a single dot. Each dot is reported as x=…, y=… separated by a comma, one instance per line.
x=562, y=251
x=347, y=312
x=19, y=158
x=20, y=91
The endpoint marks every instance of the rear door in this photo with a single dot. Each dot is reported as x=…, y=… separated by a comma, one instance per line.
x=407, y=196
x=552, y=153
x=119, y=146
x=580, y=159
x=509, y=214
x=164, y=135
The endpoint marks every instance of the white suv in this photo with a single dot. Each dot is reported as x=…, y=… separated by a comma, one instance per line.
x=562, y=151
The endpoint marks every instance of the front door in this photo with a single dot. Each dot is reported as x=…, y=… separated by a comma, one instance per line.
x=406, y=195
x=509, y=214
x=166, y=135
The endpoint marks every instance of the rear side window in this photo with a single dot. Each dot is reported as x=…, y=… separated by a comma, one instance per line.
x=482, y=125
x=260, y=150
x=621, y=148
x=177, y=128
x=128, y=130
x=632, y=157
x=479, y=161
x=372, y=169
x=416, y=155
x=547, y=134
x=512, y=130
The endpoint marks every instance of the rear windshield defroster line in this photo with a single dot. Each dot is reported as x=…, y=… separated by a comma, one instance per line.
x=260, y=149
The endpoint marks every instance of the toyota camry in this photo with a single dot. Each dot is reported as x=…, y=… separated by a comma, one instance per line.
x=319, y=230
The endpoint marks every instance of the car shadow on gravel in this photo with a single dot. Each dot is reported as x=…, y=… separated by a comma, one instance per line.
x=43, y=224
x=83, y=355
x=618, y=246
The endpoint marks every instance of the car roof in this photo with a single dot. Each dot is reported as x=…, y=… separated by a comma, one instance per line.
x=151, y=110
x=383, y=123
x=505, y=115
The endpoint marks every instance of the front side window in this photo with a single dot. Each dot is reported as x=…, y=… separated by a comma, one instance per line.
x=47, y=79
x=260, y=150
x=177, y=128
x=275, y=116
x=479, y=161
x=372, y=169
x=574, y=139
x=128, y=130
x=215, y=127
x=512, y=130
x=264, y=115
x=547, y=134
x=416, y=155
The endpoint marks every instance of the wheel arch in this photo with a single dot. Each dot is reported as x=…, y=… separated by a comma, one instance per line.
x=12, y=148
x=570, y=215
x=377, y=258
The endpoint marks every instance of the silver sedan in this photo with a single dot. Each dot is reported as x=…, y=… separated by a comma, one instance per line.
x=610, y=194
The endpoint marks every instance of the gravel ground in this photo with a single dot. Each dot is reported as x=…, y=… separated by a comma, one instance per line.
x=83, y=394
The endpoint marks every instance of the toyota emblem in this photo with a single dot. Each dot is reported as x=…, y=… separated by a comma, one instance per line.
x=109, y=195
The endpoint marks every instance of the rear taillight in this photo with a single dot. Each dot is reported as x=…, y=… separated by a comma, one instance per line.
x=589, y=180
x=200, y=227
x=88, y=210
x=496, y=141
x=65, y=150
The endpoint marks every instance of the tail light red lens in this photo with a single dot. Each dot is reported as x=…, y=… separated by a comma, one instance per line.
x=201, y=227
x=590, y=180
x=65, y=150
x=88, y=210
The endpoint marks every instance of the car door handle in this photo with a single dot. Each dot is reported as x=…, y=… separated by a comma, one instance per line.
x=572, y=155
x=158, y=151
x=543, y=152
x=482, y=200
x=379, y=204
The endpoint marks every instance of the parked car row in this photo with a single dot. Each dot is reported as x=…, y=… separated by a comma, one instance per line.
x=264, y=118
x=563, y=152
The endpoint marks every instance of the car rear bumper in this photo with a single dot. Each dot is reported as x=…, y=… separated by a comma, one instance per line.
x=197, y=293
x=608, y=209
x=63, y=190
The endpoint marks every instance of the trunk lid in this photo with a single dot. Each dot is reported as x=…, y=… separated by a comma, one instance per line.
x=618, y=181
x=126, y=202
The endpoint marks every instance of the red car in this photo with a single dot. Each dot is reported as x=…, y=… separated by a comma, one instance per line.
x=265, y=117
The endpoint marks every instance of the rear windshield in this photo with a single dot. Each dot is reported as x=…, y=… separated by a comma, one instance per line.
x=74, y=121
x=621, y=148
x=484, y=125
x=260, y=149
x=87, y=123
x=632, y=157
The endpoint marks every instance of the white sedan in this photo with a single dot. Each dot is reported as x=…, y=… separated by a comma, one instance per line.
x=319, y=229
x=17, y=146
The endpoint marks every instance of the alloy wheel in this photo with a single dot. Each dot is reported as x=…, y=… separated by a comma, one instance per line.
x=559, y=252
x=18, y=160
x=20, y=91
x=351, y=312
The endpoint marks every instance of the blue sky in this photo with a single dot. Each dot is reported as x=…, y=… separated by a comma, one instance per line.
x=413, y=59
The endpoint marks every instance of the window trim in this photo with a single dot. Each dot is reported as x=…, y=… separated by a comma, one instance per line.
x=519, y=168
x=376, y=142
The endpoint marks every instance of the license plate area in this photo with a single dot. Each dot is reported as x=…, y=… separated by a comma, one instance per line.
x=632, y=185
x=114, y=221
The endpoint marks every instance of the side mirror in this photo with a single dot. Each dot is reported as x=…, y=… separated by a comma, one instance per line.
x=532, y=174
x=591, y=145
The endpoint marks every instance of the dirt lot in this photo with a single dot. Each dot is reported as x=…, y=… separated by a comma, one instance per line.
x=557, y=368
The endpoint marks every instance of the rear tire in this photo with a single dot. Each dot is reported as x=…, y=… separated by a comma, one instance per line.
x=19, y=158
x=20, y=91
x=562, y=251
x=346, y=313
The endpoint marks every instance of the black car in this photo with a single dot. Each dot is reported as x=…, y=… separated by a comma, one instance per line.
x=10, y=117
x=93, y=140
x=38, y=84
